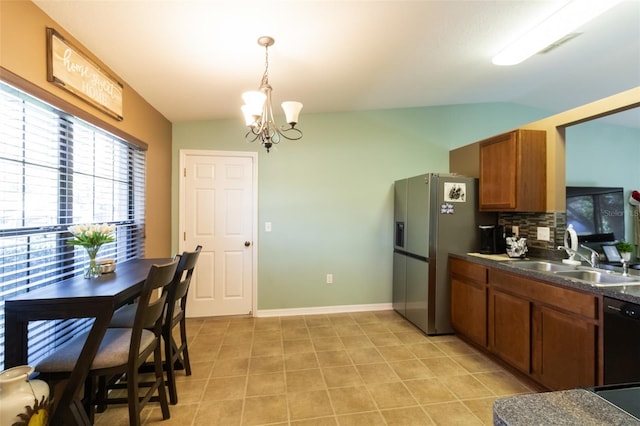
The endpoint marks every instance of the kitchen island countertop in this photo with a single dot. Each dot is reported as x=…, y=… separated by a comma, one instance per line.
x=578, y=407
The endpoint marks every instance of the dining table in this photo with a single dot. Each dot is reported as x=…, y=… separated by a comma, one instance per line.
x=75, y=297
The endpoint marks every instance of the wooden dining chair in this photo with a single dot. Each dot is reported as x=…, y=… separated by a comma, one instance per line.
x=176, y=355
x=123, y=351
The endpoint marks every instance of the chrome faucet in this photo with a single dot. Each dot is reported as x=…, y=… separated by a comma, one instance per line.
x=594, y=261
x=595, y=256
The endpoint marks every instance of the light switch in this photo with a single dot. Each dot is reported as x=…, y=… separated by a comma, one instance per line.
x=544, y=233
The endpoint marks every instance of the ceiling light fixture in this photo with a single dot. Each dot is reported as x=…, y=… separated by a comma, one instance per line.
x=570, y=17
x=258, y=114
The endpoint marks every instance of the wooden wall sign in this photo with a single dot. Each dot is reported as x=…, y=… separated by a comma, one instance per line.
x=68, y=68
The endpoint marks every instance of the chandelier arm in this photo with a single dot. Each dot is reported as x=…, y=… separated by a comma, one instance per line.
x=290, y=133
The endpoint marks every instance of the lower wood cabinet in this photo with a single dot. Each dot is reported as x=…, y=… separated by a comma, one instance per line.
x=564, y=350
x=469, y=300
x=510, y=329
x=546, y=331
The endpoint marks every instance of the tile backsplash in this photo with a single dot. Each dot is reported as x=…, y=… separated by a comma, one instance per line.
x=528, y=224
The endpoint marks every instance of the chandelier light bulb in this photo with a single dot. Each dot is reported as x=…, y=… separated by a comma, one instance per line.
x=292, y=111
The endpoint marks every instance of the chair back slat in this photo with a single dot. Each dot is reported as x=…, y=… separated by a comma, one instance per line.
x=149, y=314
x=180, y=285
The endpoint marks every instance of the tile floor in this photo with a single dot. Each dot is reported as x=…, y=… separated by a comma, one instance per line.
x=369, y=368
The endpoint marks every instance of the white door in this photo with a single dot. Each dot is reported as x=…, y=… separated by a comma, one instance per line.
x=218, y=210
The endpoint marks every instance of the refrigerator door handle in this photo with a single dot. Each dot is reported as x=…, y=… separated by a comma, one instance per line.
x=399, y=234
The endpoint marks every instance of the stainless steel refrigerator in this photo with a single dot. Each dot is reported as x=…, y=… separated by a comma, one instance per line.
x=434, y=214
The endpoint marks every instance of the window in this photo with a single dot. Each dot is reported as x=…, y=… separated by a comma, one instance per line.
x=596, y=213
x=57, y=170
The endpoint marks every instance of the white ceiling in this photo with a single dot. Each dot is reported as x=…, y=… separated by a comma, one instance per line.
x=192, y=59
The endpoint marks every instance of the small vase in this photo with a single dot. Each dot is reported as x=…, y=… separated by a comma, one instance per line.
x=23, y=401
x=626, y=256
x=93, y=270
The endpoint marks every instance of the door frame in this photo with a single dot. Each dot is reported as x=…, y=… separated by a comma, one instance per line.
x=184, y=153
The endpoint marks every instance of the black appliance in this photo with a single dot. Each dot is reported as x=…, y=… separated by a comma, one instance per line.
x=621, y=341
x=492, y=239
x=625, y=396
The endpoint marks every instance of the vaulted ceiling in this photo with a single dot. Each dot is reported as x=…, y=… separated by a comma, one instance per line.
x=192, y=59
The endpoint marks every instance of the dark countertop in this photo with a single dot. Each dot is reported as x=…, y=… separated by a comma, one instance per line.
x=577, y=407
x=627, y=293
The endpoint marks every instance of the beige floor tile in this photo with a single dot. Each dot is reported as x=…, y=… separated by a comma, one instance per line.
x=318, y=421
x=305, y=380
x=476, y=363
x=295, y=333
x=369, y=355
x=409, y=416
x=444, y=366
x=425, y=350
x=265, y=409
x=333, y=358
x=482, y=408
x=266, y=364
x=451, y=413
x=344, y=330
x=502, y=383
x=396, y=353
x=384, y=339
x=411, y=369
x=362, y=368
x=300, y=361
x=342, y=376
x=429, y=391
x=356, y=341
x=266, y=384
x=377, y=373
x=239, y=350
x=223, y=388
x=466, y=386
x=360, y=419
x=270, y=348
x=353, y=399
x=324, y=331
x=327, y=343
x=391, y=395
x=305, y=405
x=297, y=346
x=230, y=367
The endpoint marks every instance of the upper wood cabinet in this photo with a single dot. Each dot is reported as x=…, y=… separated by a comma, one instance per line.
x=513, y=172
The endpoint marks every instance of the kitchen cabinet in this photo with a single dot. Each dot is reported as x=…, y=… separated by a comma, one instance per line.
x=564, y=350
x=513, y=172
x=510, y=329
x=469, y=300
x=546, y=331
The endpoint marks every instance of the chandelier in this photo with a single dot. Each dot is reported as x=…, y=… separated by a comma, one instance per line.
x=258, y=114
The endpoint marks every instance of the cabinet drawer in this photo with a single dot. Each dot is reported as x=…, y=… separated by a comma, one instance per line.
x=566, y=299
x=469, y=270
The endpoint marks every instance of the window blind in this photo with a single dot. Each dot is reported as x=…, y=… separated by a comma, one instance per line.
x=56, y=171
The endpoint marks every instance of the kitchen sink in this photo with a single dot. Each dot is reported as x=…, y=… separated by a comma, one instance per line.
x=598, y=278
x=537, y=265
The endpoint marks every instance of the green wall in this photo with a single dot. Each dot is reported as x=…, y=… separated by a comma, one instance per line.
x=599, y=154
x=329, y=195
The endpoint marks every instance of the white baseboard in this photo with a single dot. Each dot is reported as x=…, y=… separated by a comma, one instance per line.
x=318, y=310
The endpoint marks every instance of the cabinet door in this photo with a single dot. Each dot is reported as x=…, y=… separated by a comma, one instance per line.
x=564, y=350
x=498, y=167
x=469, y=309
x=510, y=329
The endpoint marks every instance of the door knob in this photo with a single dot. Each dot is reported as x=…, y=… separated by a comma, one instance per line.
x=247, y=243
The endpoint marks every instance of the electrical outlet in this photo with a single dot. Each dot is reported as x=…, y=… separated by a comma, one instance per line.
x=515, y=230
x=329, y=278
x=267, y=227
x=544, y=233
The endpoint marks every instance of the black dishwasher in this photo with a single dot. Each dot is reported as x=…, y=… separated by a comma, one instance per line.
x=621, y=341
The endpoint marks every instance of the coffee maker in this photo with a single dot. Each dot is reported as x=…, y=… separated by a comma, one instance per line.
x=492, y=239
